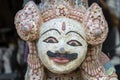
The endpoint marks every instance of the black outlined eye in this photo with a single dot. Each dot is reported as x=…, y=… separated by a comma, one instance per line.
x=51, y=40
x=74, y=43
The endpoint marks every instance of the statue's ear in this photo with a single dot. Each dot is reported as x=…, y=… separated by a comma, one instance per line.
x=96, y=27
x=28, y=21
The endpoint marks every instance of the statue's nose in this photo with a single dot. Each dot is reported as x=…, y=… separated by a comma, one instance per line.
x=61, y=50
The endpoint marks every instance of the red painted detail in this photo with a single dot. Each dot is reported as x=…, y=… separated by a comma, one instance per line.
x=63, y=26
x=60, y=60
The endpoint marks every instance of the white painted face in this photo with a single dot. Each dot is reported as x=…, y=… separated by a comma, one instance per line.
x=62, y=45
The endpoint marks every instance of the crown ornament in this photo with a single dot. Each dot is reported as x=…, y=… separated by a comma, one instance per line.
x=63, y=11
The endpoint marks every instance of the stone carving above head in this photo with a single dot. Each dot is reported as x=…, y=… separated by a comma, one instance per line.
x=65, y=40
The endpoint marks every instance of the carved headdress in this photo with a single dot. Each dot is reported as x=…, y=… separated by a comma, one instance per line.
x=28, y=23
x=29, y=19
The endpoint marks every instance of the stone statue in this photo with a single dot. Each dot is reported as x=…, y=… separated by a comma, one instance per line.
x=65, y=39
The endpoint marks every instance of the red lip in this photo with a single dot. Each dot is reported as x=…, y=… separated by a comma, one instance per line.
x=60, y=60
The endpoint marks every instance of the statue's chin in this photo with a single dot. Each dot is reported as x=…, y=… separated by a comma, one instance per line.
x=62, y=71
x=62, y=67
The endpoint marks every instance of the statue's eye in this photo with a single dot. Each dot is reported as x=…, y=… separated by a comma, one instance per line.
x=51, y=40
x=74, y=43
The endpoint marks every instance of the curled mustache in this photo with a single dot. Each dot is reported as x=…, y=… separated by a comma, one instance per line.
x=71, y=56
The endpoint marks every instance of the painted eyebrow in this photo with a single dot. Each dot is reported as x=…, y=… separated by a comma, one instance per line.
x=76, y=33
x=50, y=30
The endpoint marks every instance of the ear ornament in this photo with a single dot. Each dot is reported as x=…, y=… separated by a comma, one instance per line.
x=96, y=27
x=28, y=22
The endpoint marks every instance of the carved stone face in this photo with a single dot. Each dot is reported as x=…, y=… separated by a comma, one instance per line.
x=62, y=45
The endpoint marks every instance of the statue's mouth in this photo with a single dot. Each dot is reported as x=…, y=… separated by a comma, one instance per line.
x=62, y=57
